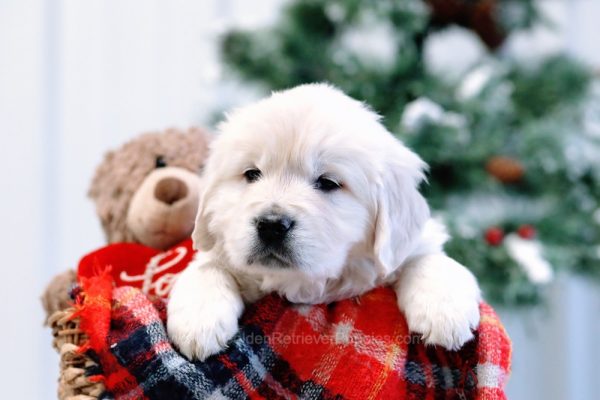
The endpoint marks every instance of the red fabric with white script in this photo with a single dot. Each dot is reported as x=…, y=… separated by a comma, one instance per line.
x=132, y=264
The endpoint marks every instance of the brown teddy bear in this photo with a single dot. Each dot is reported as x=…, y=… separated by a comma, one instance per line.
x=145, y=192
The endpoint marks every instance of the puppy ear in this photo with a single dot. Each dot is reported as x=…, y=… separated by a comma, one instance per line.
x=202, y=237
x=401, y=211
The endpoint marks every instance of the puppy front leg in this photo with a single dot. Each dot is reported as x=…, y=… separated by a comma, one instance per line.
x=440, y=299
x=203, y=309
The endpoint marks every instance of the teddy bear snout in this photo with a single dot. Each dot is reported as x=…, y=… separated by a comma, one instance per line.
x=170, y=190
x=163, y=208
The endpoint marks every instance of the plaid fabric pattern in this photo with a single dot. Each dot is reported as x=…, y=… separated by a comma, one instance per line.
x=352, y=349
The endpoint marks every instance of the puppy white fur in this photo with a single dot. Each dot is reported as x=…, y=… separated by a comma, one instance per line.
x=353, y=219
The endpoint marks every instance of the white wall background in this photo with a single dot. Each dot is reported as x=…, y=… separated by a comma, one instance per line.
x=80, y=77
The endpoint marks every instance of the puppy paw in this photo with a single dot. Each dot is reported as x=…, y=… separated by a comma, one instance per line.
x=203, y=309
x=440, y=299
x=449, y=324
x=199, y=334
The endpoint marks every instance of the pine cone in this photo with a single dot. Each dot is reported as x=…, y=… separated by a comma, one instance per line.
x=505, y=169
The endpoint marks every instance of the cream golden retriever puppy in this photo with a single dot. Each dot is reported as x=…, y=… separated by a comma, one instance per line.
x=306, y=194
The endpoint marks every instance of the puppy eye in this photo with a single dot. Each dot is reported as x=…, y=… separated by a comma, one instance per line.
x=160, y=162
x=325, y=184
x=252, y=174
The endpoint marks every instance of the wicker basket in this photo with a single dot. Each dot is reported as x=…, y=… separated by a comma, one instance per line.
x=73, y=383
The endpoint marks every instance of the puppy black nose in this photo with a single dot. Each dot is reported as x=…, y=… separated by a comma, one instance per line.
x=273, y=228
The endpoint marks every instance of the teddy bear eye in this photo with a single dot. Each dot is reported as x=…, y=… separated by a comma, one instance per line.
x=160, y=162
x=326, y=184
x=252, y=174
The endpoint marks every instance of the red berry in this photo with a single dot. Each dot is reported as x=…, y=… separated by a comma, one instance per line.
x=526, y=231
x=494, y=236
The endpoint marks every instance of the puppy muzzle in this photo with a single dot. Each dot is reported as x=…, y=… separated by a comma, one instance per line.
x=274, y=232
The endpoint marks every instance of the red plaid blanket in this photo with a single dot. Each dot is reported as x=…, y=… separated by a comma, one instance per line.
x=353, y=349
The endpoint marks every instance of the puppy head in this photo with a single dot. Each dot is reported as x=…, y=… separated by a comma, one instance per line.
x=306, y=179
